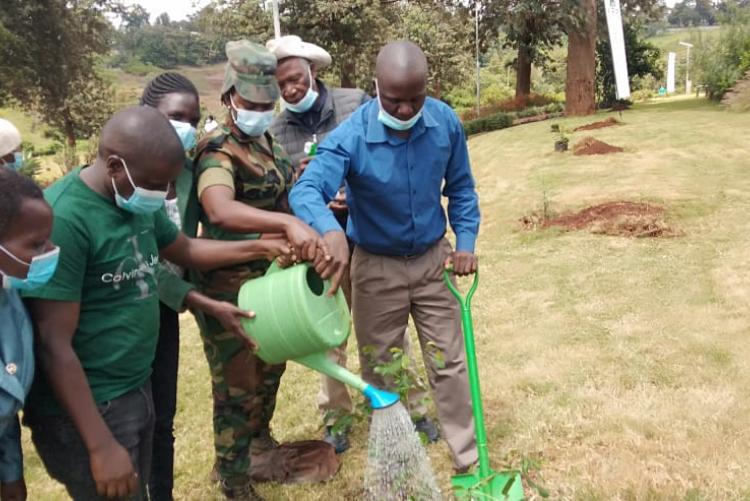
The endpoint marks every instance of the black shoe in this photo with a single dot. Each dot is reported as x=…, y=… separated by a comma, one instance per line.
x=339, y=441
x=427, y=426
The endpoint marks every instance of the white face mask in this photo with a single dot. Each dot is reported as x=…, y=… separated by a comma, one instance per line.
x=252, y=123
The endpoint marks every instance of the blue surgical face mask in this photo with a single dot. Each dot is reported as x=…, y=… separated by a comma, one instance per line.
x=17, y=162
x=41, y=269
x=186, y=132
x=142, y=201
x=392, y=122
x=252, y=123
x=306, y=102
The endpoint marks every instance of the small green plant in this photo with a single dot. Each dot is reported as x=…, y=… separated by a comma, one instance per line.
x=529, y=468
x=400, y=377
x=398, y=372
x=561, y=144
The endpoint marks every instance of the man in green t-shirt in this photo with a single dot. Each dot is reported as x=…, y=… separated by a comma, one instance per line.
x=97, y=320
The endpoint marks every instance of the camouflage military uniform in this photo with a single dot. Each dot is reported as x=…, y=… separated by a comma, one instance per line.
x=260, y=173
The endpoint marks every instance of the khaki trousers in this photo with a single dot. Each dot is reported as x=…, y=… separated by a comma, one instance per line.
x=334, y=400
x=385, y=291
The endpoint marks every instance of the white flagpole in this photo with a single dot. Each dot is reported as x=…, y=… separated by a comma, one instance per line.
x=617, y=43
x=276, y=20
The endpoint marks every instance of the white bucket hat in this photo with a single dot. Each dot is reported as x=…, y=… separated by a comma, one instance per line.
x=10, y=138
x=293, y=46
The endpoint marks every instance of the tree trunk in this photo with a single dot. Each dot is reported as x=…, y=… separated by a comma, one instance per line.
x=580, y=90
x=70, y=158
x=523, y=73
x=349, y=75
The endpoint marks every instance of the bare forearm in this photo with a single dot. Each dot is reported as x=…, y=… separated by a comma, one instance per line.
x=68, y=381
x=197, y=301
x=203, y=254
x=237, y=217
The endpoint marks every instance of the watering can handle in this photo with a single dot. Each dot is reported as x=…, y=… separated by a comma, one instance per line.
x=464, y=301
x=273, y=268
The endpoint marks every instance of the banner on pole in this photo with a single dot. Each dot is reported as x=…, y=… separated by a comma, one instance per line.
x=671, y=62
x=617, y=43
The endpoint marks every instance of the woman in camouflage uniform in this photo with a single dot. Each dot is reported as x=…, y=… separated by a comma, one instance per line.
x=243, y=179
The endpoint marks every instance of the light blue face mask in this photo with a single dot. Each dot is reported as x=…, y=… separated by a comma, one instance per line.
x=252, y=123
x=186, y=133
x=142, y=201
x=41, y=269
x=17, y=162
x=307, y=102
x=392, y=122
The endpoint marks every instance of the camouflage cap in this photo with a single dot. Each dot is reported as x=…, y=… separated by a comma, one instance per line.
x=251, y=71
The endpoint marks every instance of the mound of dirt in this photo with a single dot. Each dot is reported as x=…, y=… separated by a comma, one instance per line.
x=621, y=218
x=592, y=146
x=611, y=121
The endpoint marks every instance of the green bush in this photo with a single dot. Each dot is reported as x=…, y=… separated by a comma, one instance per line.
x=486, y=124
x=723, y=61
x=51, y=149
x=138, y=68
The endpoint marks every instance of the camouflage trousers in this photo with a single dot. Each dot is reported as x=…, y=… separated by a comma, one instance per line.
x=244, y=393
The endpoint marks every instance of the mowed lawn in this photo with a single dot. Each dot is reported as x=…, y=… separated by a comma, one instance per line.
x=621, y=365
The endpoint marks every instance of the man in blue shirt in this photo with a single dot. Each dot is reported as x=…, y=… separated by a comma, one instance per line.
x=396, y=154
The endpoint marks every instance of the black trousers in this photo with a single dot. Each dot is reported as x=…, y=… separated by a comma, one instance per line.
x=164, y=388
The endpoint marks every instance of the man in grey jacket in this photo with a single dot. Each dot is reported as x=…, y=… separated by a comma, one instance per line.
x=311, y=110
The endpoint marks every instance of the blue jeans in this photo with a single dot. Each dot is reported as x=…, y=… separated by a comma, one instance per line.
x=164, y=388
x=129, y=417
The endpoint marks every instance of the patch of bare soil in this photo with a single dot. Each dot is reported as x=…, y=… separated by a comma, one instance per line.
x=611, y=121
x=592, y=146
x=620, y=218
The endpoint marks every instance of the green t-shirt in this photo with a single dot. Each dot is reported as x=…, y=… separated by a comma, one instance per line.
x=108, y=258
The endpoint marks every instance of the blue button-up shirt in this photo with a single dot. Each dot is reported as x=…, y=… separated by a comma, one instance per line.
x=16, y=375
x=393, y=185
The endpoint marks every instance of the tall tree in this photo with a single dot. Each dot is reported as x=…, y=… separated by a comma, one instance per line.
x=447, y=37
x=531, y=27
x=580, y=83
x=48, y=58
x=351, y=30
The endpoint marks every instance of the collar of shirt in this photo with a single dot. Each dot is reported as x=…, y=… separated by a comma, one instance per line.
x=378, y=133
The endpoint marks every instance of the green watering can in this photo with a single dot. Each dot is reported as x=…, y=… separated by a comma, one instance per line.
x=484, y=483
x=296, y=320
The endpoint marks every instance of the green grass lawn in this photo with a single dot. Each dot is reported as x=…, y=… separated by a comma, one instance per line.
x=622, y=365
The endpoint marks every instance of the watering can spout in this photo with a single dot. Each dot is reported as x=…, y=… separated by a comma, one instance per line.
x=379, y=399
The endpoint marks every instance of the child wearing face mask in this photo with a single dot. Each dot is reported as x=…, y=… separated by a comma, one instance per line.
x=27, y=261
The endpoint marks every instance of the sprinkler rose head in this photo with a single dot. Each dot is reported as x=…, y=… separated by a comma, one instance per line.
x=379, y=399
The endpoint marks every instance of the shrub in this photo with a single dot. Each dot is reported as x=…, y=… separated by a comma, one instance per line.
x=138, y=68
x=489, y=123
x=509, y=105
x=723, y=61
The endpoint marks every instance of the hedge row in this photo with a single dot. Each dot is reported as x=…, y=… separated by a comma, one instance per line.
x=499, y=121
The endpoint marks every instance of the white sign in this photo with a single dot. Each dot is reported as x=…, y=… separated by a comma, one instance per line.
x=671, y=62
x=617, y=43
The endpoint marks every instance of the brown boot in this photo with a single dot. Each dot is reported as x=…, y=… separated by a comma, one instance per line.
x=263, y=443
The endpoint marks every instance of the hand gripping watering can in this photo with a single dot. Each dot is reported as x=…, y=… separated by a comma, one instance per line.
x=484, y=483
x=296, y=320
